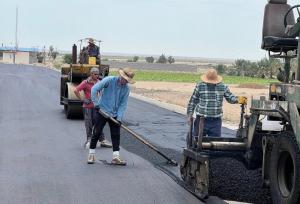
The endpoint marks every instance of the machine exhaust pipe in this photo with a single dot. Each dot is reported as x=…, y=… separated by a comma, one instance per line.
x=74, y=54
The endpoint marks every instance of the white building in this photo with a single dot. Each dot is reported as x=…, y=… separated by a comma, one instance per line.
x=21, y=56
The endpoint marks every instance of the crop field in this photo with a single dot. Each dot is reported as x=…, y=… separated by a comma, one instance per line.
x=193, y=77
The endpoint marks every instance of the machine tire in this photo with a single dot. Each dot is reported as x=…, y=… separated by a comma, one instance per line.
x=285, y=170
x=68, y=112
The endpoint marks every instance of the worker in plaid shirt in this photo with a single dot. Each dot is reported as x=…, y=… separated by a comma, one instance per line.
x=207, y=102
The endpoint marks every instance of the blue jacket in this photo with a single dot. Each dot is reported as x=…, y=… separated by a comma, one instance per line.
x=114, y=97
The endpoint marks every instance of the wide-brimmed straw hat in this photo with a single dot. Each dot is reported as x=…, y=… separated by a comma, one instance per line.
x=211, y=77
x=128, y=74
x=91, y=40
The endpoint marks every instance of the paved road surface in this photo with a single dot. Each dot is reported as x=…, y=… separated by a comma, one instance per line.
x=42, y=160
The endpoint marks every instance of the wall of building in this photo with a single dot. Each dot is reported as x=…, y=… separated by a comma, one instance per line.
x=21, y=57
x=8, y=57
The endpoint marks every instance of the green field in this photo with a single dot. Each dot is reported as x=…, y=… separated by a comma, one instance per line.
x=192, y=77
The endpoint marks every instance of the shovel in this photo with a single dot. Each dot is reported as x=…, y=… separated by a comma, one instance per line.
x=170, y=161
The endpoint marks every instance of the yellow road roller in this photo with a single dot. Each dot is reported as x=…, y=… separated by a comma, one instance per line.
x=73, y=74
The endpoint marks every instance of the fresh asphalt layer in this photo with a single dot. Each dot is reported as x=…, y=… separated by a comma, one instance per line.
x=229, y=179
x=42, y=159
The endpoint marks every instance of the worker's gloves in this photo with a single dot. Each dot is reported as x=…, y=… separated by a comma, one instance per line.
x=87, y=101
x=242, y=100
x=119, y=122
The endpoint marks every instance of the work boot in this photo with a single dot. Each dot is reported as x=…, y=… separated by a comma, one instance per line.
x=91, y=159
x=118, y=161
x=105, y=143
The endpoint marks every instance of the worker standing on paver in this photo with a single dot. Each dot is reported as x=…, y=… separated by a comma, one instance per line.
x=88, y=107
x=207, y=102
x=113, y=102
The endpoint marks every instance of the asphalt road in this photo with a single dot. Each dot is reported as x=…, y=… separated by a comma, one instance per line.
x=41, y=154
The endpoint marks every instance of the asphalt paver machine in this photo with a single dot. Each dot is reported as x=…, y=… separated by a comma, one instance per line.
x=275, y=151
x=73, y=74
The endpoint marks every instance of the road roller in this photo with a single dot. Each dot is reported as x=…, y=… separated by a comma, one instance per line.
x=72, y=74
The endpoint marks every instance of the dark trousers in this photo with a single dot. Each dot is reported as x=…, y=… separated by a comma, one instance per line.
x=212, y=127
x=99, y=123
x=89, y=123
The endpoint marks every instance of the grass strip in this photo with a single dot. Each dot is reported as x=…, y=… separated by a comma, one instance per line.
x=192, y=77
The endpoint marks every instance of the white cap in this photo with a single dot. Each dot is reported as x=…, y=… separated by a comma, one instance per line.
x=94, y=70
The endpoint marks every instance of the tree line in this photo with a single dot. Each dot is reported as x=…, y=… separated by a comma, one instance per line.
x=161, y=59
x=52, y=54
x=264, y=68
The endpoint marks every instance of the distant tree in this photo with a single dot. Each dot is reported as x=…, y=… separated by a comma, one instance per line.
x=135, y=58
x=149, y=59
x=51, y=49
x=67, y=58
x=40, y=57
x=269, y=67
x=252, y=70
x=54, y=54
x=221, y=68
x=162, y=59
x=171, y=59
x=246, y=67
x=232, y=72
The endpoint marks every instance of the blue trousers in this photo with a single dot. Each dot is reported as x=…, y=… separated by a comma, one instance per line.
x=212, y=127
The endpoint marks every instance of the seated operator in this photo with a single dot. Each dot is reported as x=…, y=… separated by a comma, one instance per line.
x=93, y=50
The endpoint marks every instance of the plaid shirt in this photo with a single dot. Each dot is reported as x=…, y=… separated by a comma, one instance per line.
x=207, y=99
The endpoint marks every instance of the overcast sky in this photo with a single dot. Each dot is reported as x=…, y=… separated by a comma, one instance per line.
x=195, y=28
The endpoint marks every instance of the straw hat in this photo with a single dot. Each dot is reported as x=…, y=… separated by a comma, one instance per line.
x=91, y=40
x=128, y=74
x=211, y=77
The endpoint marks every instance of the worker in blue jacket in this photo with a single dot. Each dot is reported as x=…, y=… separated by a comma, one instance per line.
x=114, y=91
